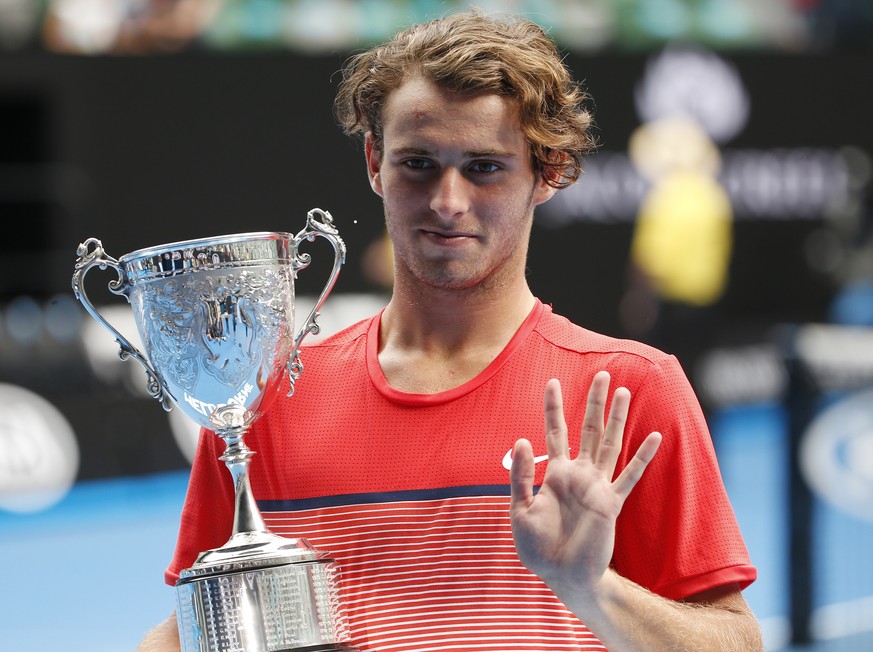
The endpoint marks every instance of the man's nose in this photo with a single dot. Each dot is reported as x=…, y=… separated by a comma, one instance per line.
x=450, y=194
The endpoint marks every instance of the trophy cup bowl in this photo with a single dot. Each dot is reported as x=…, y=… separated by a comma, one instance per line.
x=216, y=321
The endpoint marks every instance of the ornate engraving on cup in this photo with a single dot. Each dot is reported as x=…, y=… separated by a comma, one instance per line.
x=218, y=338
x=216, y=320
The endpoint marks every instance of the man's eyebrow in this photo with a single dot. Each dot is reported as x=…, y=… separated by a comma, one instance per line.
x=490, y=153
x=485, y=153
x=411, y=150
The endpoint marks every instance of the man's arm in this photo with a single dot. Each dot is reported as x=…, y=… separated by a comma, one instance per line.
x=565, y=534
x=162, y=638
x=625, y=616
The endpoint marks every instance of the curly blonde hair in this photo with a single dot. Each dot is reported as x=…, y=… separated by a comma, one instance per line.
x=470, y=53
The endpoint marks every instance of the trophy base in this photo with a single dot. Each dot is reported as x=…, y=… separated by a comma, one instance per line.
x=261, y=593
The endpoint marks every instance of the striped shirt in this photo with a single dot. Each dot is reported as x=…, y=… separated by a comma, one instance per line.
x=409, y=492
x=435, y=571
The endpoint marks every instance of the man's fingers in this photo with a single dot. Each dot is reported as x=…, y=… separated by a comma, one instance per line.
x=610, y=443
x=521, y=475
x=557, y=444
x=592, y=423
x=631, y=474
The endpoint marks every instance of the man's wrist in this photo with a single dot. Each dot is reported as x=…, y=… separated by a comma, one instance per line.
x=595, y=600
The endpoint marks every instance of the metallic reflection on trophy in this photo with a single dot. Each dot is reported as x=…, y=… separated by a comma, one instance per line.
x=216, y=319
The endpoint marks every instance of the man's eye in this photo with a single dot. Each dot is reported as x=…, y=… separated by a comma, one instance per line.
x=417, y=163
x=484, y=167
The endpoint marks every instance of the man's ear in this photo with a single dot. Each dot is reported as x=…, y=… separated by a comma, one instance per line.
x=551, y=179
x=543, y=191
x=374, y=163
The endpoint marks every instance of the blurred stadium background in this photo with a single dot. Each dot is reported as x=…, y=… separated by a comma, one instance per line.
x=735, y=149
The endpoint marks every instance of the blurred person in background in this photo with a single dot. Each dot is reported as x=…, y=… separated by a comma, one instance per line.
x=125, y=26
x=429, y=448
x=682, y=244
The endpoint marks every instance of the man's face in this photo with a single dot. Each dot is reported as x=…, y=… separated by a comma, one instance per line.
x=458, y=187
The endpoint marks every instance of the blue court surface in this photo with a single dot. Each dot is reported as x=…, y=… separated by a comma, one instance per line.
x=86, y=574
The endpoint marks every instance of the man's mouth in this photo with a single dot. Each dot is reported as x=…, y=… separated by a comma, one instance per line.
x=447, y=235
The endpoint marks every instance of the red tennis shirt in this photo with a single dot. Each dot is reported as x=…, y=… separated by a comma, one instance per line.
x=410, y=492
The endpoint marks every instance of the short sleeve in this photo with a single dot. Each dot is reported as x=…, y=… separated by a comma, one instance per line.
x=677, y=534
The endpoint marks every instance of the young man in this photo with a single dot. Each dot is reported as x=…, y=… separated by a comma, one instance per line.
x=393, y=452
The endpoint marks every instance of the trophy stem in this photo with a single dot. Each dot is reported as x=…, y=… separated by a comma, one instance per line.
x=247, y=517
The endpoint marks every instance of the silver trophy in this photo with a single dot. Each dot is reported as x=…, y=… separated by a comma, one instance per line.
x=216, y=320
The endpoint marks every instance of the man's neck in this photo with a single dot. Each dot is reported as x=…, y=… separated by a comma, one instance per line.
x=438, y=341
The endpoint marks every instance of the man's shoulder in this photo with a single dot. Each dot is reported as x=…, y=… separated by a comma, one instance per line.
x=559, y=331
x=349, y=335
x=341, y=354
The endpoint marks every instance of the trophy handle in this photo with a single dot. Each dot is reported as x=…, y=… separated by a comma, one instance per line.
x=88, y=258
x=327, y=230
